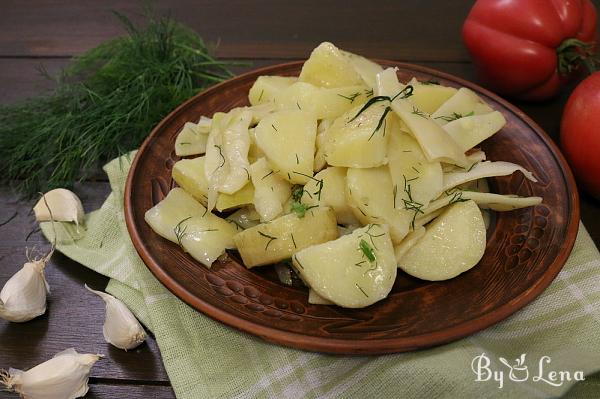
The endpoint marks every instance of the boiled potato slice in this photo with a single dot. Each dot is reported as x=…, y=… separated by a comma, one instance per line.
x=416, y=181
x=177, y=205
x=370, y=194
x=189, y=175
x=367, y=69
x=409, y=241
x=270, y=190
x=428, y=97
x=358, y=141
x=328, y=188
x=181, y=219
x=287, y=138
x=437, y=145
x=281, y=238
x=472, y=130
x=452, y=244
x=464, y=102
x=190, y=140
x=226, y=165
x=328, y=67
x=316, y=299
x=323, y=103
x=267, y=88
x=354, y=271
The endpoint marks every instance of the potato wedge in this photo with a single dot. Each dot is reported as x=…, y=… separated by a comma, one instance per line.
x=271, y=192
x=184, y=221
x=464, y=102
x=357, y=141
x=428, y=97
x=287, y=138
x=354, y=271
x=189, y=175
x=332, y=193
x=370, y=194
x=190, y=140
x=452, y=244
x=267, y=88
x=282, y=237
x=328, y=67
x=472, y=130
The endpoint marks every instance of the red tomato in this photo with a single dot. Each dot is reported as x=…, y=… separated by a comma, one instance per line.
x=580, y=133
x=529, y=48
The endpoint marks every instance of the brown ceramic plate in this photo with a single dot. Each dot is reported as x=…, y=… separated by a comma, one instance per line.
x=525, y=250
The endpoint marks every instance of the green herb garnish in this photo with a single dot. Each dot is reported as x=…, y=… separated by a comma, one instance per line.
x=271, y=239
x=300, y=209
x=104, y=104
x=180, y=231
x=367, y=250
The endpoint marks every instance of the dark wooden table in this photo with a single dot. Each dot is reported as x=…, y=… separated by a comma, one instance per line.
x=49, y=33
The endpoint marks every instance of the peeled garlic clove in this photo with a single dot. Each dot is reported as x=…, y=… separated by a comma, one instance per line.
x=64, y=206
x=64, y=376
x=23, y=297
x=121, y=328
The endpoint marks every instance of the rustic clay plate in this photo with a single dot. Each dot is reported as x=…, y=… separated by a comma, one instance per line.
x=525, y=250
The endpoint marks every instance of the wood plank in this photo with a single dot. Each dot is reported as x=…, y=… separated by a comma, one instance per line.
x=264, y=29
x=112, y=391
x=74, y=317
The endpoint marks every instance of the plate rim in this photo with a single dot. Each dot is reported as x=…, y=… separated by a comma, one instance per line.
x=372, y=346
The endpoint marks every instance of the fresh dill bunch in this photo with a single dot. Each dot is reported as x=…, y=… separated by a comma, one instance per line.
x=104, y=104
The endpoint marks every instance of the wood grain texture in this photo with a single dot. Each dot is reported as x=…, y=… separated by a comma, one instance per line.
x=525, y=251
x=74, y=317
x=248, y=29
x=113, y=391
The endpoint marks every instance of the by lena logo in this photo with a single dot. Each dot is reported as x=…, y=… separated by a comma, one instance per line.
x=519, y=371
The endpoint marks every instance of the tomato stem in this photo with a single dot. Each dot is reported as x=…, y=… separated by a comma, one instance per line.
x=574, y=52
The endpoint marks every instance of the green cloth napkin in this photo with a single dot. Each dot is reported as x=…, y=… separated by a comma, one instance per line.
x=206, y=359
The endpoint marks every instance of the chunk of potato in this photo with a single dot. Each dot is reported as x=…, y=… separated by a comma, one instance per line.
x=408, y=242
x=323, y=103
x=354, y=271
x=328, y=67
x=462, y=103
x=189, y=175
x=328, y=188
x=429, y=97
x=287, y=138
x=358, y=141
x=184, y=221
x=370, y=194
x=366, y=68
x=282, y=237
x=270, y=190
x=452, y=244
x=416, y=180
x=267, y=88
x=472, y=130
x=190, y=140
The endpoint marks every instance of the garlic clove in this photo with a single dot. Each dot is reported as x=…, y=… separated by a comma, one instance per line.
x=121, y=328
x=23, y=297
x=64, y=206
x=65, y=376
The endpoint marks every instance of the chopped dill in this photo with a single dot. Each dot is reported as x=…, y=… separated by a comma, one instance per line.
x=297, y=261
x=319, y=184
x=300, y=209
x=351, y=97
x=361, y=290
x=367, y=250
x=293, y=240
x=104, y=104
x=430, y=82
x=261, y=95
x=274, y=128
x=267, y=175
x=297, y=160
x=180, y=231
x=298, y=105
x=221, y=154
x=271, y=239
x=418, y=112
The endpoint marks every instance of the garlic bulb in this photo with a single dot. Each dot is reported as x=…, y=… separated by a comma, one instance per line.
x=121, y=328
x=65, y=376
x=60, y=205
x=23, y=297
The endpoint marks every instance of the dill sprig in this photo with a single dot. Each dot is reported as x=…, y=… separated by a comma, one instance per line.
x=454, y=116
x=300, y=209
x=351, y=97
x=410, y=204
x=180, y=231
x=270, y=238
x=104, y=104
x=367, y=250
